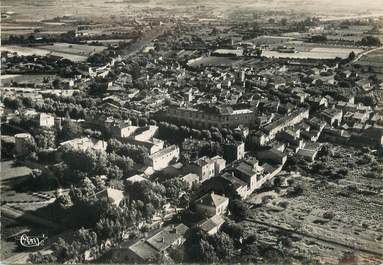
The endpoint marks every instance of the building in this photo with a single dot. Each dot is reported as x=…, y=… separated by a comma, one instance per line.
x=219, y=164
x=250, y=172
x=215, y=117
x=22, y=143
x=204, y=167
x=85, y=143
x=211, y=204
x=226, y=184
x=332, y=116
x=191, y=179
x=172, y=235
x=115, y=195
x=45, y=120
x=290, y=120
x=122, y=130
x=307, y=154
x=148, y=250
x=163, y=158
x=211, y=225
x=228, y=52
x=234, y=151
x=136, y=178
x=273, y=155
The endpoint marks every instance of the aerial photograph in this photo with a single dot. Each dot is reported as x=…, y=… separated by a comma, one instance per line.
x=191, y=132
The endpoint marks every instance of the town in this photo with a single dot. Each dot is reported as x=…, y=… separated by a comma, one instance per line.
x=191, y=134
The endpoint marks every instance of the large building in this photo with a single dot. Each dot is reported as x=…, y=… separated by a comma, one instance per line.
x=214, y=117
x=163, y=158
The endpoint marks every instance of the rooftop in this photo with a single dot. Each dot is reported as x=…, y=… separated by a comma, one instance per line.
x=212, y=199
x=211, y=223
x=166, y=237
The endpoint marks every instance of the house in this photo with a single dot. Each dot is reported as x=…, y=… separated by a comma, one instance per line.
x=139, y=252
x=22, y=143
x=332, y=116
x=190, y=179
x=45, y=120
x=364, y=84
x=291, y=119
x=250, y=172
x=211, y=204
x=309, y=152
x=170, y=236
x=226, y=184
x=211, y=225
x=147, y=250
x=115, y=195
x=122, y=130
x=163, y=158
x=372, y=137
x=234, y=151
x=273, y=155
x=136, y=178
x=204, y=167
x=317, y=102
x=219, y=164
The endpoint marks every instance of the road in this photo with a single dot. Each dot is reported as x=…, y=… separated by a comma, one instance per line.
x=145, y=40
x=365, y=53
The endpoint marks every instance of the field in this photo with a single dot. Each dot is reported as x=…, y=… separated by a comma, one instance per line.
x=375, y=60
x=331, y=219
x=74, y=52
x=313, y=53
x=11, y=171
x=217, y=60
x=109, y=41
x=37, y=79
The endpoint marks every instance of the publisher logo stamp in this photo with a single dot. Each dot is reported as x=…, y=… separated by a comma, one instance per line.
x=32, y=241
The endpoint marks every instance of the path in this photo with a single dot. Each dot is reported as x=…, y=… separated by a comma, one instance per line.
x=360, y=55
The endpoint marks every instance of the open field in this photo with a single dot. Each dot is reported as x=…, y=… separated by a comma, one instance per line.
x=217, y=60
x=331, y=217
x=314, y=53
x=107, y=41
x=37, y=79
x=74, y=52
x=10, y=170
x=374, y=60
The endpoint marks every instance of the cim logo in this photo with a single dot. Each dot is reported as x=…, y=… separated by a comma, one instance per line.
x=32, y=241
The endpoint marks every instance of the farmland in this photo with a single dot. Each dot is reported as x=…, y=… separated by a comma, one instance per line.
x=331, y=217
x=74, y=52
x=313, y=53
x=373, y=60
x=37, y=79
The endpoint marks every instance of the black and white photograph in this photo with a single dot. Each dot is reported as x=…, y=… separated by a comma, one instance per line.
x=191, y=132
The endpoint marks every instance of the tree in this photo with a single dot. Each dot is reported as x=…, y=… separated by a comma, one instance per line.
x=370, y=41
x=39, y=258
x=351, y=56
x=223, y=246
x=69, y=131
x=206, y=134
x=45, y=138
x=238, y=209
x=233, y=230
x=198, y=248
